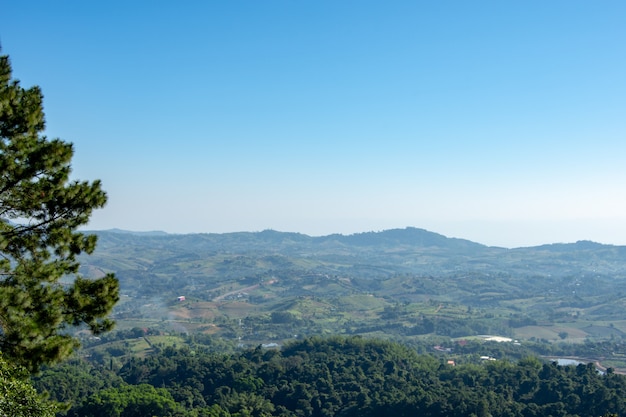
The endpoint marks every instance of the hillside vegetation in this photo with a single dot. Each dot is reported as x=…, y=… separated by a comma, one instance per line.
x=330, y=377
x=408, y=284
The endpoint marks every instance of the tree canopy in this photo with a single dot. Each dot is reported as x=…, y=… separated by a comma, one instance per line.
x=41, y=209
x=333, y=376
x=18, y=398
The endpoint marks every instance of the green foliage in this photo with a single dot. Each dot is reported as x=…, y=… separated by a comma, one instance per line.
x=40, y=212
x=18, y=398
x=354, y=376
x=74, y=381
x=131, y=401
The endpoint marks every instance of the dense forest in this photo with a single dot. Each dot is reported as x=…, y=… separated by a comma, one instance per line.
x=334, y=376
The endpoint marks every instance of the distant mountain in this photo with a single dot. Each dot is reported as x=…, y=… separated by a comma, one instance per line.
x=150, y=233
x=569, y=247
x=409, y=236
x=409, y=250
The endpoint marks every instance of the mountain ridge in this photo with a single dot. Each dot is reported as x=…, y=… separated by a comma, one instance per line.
x=407, y=235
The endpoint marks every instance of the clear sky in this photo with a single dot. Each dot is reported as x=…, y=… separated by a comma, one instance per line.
x=502, y=122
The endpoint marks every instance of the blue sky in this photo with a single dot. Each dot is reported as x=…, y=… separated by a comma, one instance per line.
x=499, y=122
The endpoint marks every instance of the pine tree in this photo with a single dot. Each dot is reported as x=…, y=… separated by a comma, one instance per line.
x=41, y=210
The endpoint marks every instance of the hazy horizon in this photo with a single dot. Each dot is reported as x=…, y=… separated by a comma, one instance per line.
x=501, y=123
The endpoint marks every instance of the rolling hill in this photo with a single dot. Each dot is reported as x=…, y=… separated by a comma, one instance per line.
x=269, y=285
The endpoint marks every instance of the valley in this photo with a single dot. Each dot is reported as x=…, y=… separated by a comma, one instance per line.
x=409, y=285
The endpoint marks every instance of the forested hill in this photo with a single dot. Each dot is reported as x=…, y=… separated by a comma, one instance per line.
x=331, y=377
x=409, y=250
x=274, y=241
